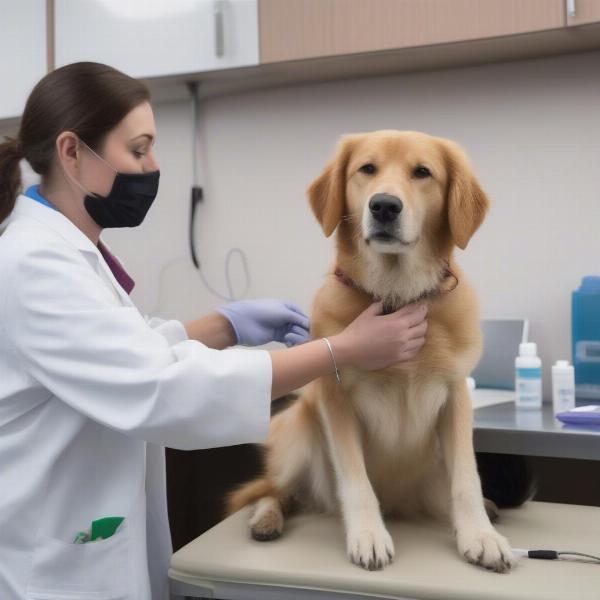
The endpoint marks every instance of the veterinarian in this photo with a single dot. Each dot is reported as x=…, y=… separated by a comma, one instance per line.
x=90, y=390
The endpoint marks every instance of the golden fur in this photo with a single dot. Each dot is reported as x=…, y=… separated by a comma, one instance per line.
x=399, y=440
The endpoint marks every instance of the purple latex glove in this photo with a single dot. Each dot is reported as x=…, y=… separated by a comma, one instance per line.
x=257, y=322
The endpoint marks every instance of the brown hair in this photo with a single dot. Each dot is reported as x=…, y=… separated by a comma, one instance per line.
x=86, y=98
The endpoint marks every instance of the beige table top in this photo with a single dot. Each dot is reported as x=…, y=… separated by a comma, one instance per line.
x=311, y=556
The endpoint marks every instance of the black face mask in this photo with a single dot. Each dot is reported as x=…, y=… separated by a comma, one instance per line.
x=128, y=201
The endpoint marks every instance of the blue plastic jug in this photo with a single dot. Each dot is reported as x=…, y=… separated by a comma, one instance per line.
x=585, y=328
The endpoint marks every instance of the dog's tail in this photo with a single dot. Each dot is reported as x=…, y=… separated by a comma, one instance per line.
x=248, y=493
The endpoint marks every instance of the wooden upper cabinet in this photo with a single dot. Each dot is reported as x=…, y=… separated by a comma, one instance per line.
x=582, y=12
x=297, y=29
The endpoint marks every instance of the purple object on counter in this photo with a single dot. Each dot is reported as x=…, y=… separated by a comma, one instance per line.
x=581, y=415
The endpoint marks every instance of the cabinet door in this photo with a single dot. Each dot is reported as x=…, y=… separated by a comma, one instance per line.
x=150, y=38
x=23, y=51
x=293, y=29
x=580, y=12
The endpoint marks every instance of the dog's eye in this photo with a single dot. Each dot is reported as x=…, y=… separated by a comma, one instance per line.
x=421, y=172
x=368, y=169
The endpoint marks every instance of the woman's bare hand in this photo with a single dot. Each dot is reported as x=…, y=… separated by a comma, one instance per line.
x=375, y=341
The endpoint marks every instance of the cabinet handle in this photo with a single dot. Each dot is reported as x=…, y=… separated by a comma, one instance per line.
x=570, y=8
x=219, y=6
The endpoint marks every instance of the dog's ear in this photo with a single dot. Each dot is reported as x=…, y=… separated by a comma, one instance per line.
x=327, y=193
x=467, y=203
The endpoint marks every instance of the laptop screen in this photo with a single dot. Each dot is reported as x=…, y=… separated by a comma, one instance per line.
x=501, y=339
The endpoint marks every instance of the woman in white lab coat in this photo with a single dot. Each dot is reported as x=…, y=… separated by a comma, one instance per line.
x=90, y=390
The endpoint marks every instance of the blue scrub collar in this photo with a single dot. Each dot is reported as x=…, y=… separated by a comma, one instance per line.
x=33, y=192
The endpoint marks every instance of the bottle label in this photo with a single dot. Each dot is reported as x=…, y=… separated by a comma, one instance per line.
x=529, y=373
x=529, y=386
x=565, y=399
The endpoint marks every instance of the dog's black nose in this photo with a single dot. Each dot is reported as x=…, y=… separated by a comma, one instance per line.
x=385, y=207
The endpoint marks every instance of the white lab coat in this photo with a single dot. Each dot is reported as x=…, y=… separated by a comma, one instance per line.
x=90, y=393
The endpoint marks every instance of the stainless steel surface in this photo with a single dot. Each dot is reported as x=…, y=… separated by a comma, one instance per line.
x=504, y=429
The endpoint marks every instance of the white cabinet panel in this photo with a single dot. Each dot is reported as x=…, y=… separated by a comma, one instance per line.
x=23, y=52
x=150, y=38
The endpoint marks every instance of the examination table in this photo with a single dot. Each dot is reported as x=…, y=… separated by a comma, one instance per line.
x=309, y=561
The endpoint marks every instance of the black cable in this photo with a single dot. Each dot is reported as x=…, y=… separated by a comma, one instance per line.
x=554, y=554
x=544, y=554
x=196, y=197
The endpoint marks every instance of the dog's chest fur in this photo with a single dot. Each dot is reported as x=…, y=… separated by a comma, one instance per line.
x=398, y=417
x=400, y=445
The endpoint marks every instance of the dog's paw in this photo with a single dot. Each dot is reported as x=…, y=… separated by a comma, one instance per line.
x=486, y=548
x=371, y=547
x=267, y=522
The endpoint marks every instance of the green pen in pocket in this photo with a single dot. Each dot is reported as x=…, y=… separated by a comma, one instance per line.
x=101, y=529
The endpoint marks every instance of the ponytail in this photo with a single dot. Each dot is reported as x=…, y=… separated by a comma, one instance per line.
x=10, y=175
x=87, y=98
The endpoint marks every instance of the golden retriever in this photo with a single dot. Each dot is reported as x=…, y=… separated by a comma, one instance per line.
x=398, y=440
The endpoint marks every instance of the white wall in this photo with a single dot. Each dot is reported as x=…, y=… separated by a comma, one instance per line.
x=532, y=130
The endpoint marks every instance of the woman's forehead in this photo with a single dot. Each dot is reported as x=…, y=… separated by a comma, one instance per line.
x=138, y=124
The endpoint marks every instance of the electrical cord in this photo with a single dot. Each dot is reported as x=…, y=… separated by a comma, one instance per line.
x=552, y=554
x=197, y=197
x=230, y=296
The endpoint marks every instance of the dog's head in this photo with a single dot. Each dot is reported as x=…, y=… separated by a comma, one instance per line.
x=398, y=191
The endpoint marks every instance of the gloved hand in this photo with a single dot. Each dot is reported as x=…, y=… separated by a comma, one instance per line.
x=257, y=322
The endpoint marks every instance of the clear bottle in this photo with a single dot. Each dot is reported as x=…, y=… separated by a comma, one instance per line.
x=528, y=381
x=563, y=386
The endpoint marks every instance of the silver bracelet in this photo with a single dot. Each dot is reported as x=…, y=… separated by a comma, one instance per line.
x=337, y=373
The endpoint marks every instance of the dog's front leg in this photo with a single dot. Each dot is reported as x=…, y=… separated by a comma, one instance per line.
x=477, y=539
x=368, y=542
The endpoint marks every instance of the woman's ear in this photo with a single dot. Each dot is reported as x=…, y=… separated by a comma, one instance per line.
x=466, y=202
x=67, y=151
x=327, y=193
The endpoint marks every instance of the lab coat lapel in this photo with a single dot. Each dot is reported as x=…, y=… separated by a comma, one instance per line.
x=64, y=227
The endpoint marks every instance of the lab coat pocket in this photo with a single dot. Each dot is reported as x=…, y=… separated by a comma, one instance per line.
x=92, y=571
